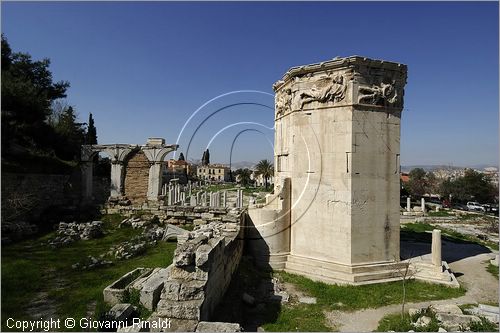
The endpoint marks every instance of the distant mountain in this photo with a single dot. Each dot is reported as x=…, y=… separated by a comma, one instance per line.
x=242, y=165
x=408, y=168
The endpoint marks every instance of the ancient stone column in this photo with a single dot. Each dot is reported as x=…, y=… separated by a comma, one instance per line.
x=436, y=248
x=224, y=195
x=155, y=151
x=116, y=179
x=408, y=204
x=87, y=175
x=422, y=203
x=117, y=154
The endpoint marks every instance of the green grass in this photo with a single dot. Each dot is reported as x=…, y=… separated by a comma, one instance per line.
x=441, y=213
x=30, y=267
x=484, y=326
x=394, y=322
x=337, y=297
x=398, y=323
x=298, y=318
x=310, y=317
x=493, y=270
x=417, y=231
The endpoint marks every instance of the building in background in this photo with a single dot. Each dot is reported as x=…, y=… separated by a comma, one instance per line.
x=213, y=172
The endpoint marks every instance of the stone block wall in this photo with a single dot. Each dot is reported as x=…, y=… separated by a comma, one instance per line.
x=202, y=269
x=26, y=196
x=136, y=178
x=176, y=215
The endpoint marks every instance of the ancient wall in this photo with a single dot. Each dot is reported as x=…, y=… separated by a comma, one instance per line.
x=202, y=269
x=26, y=196
x=176, y=215
x=136, y=178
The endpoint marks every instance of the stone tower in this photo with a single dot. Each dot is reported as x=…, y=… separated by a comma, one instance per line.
x=337, y=132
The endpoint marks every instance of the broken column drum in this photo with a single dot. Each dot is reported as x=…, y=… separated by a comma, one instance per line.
x=337, y=134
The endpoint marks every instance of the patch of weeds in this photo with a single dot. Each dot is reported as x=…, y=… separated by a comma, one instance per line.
x=188, y=227
x=395, y=322
x=101, y=309
x=466, y=307
x=155, y=220
x=372, y=295
x=37, y=268
x=133, y=297
x=112, y=219
x=441, y=213
x=493, y=270
x=299, y=318
x=483, y=326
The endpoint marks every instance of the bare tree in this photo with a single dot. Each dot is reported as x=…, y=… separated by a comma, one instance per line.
x=404, y=270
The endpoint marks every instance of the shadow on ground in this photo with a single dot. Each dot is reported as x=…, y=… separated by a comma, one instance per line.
x=414, y=244
x=255, y=308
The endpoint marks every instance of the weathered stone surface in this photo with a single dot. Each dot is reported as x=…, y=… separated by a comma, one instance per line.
x=152, y=287
x=422, y=321
x=136, y=178
x=205, y=326
x=179, y=309
x=412, y=311
x=203, y=255
x=446, y=308
x=115, y=292
x=121, y=311
x=344, y=171
x=307, y=300
x=455, y=322
x=200, y=274
x=71, y=232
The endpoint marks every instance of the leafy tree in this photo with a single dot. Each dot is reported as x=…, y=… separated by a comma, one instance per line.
x=421, y=182
x=91, y=136
x=472, y=185
x=243, y=176
x=205, y=159
x=265, y=169
x=72, y=134
x=181, y=157
x=27, y=94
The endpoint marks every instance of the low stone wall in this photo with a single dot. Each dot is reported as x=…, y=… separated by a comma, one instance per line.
x=177, y=215
x=202, y=269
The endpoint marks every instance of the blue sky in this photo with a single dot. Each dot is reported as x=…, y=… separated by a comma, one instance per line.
x=143, y=68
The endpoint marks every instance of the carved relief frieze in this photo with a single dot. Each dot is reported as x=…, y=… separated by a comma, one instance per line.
x=383, y=94
x=283, y=101
x=331, y=88
x=380, y=88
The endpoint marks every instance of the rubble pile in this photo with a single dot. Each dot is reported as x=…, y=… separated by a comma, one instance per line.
x=71, y=232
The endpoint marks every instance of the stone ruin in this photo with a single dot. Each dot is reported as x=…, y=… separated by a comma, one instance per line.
x=136, y=171
x=334, y=214
x=188, y=290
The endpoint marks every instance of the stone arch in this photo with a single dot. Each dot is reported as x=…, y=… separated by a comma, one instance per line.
x=117, y=154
